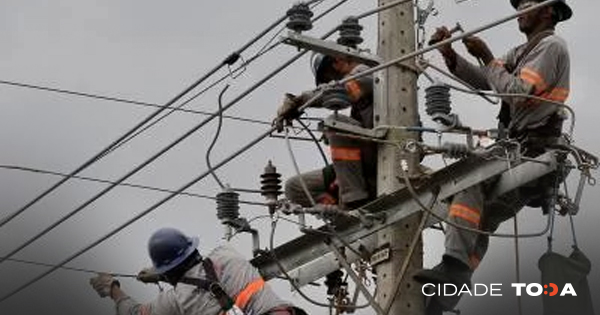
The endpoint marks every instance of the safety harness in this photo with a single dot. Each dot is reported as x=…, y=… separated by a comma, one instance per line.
x=211, y=284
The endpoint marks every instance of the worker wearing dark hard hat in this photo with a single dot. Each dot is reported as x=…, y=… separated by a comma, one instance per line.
x=538, y=68
x=221, y=283
x=350, y=181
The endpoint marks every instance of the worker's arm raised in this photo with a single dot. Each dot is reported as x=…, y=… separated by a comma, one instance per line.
x=543, y=73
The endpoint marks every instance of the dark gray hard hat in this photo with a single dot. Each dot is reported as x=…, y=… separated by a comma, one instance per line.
x=320, y=64
x=562, y=8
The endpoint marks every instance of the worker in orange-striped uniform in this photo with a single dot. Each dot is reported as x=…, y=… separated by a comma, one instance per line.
x=350, y=180
x=224, y=282
x=540, y=68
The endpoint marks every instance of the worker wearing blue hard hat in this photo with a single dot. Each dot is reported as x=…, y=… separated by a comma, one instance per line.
x=222, y=282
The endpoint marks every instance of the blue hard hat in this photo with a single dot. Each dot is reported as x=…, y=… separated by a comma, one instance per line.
x=319, y=66
x=169, y=247
x=562, y=8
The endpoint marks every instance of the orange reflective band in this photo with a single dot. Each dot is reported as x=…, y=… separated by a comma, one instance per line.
x=345, y=154
x=353, y=88
x=558, y=94
x=244, y=297
x=327, y=199
x=534, y=78
x=465, y=213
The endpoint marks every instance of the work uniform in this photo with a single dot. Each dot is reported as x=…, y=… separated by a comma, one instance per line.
x=241, y=281
x=354, y=161
x=542, y=70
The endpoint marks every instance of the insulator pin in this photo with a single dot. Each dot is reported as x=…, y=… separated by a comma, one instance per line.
x=350, y=31
x=270, y=182
x=300, y=17
x=228, y=206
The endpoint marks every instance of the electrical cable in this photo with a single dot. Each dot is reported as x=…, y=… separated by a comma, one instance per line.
x=162, y=151
x=408, y=258
x=459, y=80
x=229, y=60
x=297, y=169
x=104, y=181
x=135, y=218
x=216, y=137
x=125, y=101
x=527, y=96
x=262, y=51
x=41, y=264
x=435, y=46
x=292, y=281
x=415, y=197
x=316, y=141
x=517, y=259
x=184, y=136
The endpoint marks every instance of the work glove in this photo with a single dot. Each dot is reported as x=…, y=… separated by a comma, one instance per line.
x=288, y=107
x=478, y=49
x=103, y=284
x=148, y=275
x=441, y=34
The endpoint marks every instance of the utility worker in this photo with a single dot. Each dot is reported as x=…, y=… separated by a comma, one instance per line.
x=350, y=181
x=540, y=67
x=221, y=283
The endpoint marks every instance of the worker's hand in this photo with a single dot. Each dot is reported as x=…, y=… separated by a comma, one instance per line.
x=287, y=111
x=441, y=34
x=478, y=49
x=103, y=284
x=148, y=275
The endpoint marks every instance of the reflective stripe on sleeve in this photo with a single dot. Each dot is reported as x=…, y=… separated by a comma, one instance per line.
x=246, y=294
x=466, y=213
x=345, y=154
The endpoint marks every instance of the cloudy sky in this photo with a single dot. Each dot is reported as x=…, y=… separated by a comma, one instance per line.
x=150, y=51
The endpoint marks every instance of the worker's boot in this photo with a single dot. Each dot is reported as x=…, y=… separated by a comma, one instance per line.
x=450, y=270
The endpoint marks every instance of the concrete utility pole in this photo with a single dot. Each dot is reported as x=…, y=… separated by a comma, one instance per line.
x=397, y=106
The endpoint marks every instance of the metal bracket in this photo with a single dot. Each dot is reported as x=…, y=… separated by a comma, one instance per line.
x=330, y=48
x=333, y=124
x=308, y=258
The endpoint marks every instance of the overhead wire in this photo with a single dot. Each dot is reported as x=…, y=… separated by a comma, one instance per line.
x=124, y=184
x=125, y=100
x=155, y=206
x=84, y=270
x=216, y=137
x=230, y=59
x=136, y=217
x=232, y=73
x=164, y=150
x=292, y=282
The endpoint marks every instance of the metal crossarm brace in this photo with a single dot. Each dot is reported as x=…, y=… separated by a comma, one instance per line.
x=330, y=48
x=308, y=257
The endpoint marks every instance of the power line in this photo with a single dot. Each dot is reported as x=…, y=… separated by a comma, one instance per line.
x=137, y=217
x=161, y=152
x=105, y=181
x=144, y=164
x=232, y=73
x=227, y=61
x=122, y=100
x=41, y=264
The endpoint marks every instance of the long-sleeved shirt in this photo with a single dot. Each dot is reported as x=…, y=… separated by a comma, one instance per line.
x=543, y=72
x=235, y=274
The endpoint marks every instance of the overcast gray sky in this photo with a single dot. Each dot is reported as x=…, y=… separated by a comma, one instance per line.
x=150, y=51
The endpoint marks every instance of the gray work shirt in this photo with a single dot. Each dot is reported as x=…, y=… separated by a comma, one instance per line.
x=543, y=72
